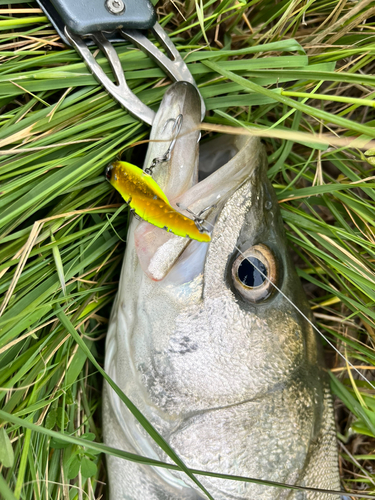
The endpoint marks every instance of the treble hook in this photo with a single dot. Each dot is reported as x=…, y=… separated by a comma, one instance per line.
x=197, y=218
x=167, y=155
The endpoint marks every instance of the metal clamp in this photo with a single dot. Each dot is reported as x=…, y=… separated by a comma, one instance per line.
x=175, y=67
x=101, y=22
x=121, y=92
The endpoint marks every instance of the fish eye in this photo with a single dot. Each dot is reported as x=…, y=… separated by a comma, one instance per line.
x=108, y=171
x=254, y=273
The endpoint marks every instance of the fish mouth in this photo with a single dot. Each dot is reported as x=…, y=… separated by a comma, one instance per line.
x=194, y=177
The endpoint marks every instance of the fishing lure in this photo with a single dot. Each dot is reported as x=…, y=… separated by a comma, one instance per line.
x=149, y=202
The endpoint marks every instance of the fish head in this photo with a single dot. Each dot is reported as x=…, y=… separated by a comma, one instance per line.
x=239, y=294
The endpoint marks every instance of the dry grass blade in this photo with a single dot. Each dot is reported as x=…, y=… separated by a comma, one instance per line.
x=24, y=254
x=291, y=135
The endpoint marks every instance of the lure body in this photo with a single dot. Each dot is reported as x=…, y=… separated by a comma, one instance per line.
x=148, y=200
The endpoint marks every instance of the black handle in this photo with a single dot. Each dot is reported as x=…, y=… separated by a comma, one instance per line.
x=88, y=16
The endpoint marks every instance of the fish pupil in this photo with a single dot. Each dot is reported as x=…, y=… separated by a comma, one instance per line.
x=249, y=275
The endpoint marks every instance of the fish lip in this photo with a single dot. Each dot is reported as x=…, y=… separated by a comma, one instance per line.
x=179, y=172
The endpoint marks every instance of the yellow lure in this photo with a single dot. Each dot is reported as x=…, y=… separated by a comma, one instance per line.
x=148, y=201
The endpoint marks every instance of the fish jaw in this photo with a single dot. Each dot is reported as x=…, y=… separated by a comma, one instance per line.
x=180, y=172
x=174, y=176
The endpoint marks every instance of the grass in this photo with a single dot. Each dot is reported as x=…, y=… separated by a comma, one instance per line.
x=300, y=74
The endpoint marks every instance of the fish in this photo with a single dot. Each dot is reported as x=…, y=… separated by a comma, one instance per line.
x=149, y=202
x=207, y=340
